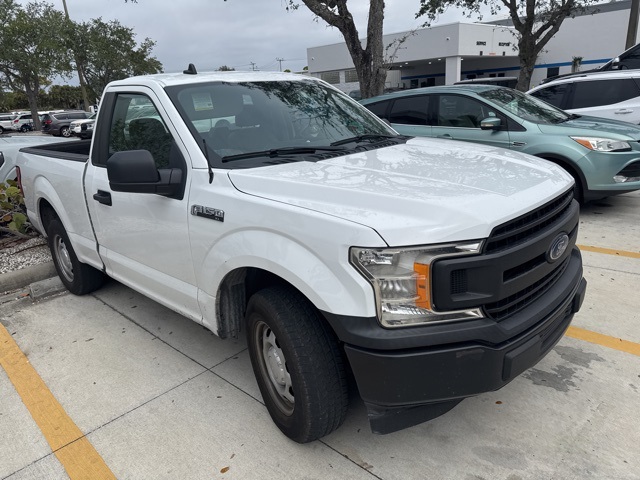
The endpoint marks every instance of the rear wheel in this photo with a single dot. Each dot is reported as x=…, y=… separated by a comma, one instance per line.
x=297, y=363
x=78, y=277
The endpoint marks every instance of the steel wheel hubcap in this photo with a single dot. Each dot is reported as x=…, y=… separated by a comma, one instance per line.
x=275, y=365
x=64, y=259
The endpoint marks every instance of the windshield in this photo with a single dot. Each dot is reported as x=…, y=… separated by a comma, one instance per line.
x=525, y=106
x=236, y=120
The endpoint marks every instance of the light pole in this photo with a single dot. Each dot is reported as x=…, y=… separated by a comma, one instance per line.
x=79, y=68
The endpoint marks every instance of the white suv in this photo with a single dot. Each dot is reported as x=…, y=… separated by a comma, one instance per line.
x=614, y=95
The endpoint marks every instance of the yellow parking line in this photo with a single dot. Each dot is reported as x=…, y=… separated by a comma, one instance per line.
x=70, y=446
x=604, y=340
x=609, y=251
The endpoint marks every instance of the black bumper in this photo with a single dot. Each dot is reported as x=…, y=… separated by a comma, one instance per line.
x=412, y=383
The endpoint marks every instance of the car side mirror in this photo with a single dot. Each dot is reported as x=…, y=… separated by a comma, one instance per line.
x=135, y=171
x=615, y=64
x=491, y=123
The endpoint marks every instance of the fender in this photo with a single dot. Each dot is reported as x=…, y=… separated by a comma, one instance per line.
x=340, y=290
x=74, y=220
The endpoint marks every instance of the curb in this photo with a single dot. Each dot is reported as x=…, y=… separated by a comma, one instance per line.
x=25, y=276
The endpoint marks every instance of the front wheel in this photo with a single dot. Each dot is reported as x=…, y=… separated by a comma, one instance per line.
x=65, y=132
x=78, y=277
x=297, y=363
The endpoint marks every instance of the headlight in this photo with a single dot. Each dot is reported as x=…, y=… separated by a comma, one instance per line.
x=602, y=144
x=401, y=279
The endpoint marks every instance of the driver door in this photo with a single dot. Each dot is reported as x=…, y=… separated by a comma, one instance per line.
x=143, y=238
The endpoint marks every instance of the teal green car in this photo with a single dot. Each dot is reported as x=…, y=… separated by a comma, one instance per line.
x=602, y=155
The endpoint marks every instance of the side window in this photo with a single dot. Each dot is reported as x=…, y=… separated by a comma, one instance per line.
x=603, y=92
x=379, y=108
x=410, y=111
x=137, y=125
x=553, y=94
x=458, y=111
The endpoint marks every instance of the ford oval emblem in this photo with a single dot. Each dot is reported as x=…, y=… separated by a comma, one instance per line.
x=558, y=247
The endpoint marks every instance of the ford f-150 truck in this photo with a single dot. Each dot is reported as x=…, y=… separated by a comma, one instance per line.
x=426, y=271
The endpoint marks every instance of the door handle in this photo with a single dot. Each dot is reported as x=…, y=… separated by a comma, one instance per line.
x=103, y=197
x=623, y=110
x=446, y=135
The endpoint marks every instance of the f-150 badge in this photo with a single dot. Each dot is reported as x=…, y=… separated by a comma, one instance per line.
x=207, y=212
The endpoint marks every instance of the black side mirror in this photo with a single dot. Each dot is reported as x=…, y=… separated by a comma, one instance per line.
x=135, y=171
x=491, y=123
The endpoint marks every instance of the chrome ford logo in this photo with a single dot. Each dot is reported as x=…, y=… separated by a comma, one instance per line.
x=558, y=247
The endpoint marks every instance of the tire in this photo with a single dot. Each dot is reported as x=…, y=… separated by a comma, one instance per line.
x=78, y=277
x=65, y=132
x=297, y=363
x=24, y=129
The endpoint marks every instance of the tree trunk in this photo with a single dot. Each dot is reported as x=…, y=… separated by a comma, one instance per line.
x=528, y=56
x=32, y=97
x=369, y=61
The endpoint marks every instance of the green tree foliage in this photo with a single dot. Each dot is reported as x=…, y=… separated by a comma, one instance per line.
x=33, y=48
x=62, y=96
x=535, y=21
x=108, y=52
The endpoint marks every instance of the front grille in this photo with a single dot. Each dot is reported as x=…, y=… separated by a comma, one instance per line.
x=514, y=270
x=514, y=303
x=524, y=227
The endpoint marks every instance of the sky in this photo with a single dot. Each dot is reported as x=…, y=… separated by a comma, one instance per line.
x=243, y=34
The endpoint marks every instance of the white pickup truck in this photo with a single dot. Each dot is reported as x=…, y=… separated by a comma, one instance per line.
x=274, y=205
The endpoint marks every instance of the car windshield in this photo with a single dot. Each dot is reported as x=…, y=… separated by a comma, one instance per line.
x=525, y=106
x=273, y=118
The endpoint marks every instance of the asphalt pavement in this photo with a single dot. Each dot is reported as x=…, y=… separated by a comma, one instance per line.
x=113, y=385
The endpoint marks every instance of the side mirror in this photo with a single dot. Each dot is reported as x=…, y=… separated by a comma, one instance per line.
x=615, y=64
x=135, y=171
x=491, y=123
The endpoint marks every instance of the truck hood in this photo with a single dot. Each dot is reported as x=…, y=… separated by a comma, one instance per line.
x=424, y=191
x=594, y=126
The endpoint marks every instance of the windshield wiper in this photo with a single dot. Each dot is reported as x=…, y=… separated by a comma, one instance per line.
x=277, y=152
x=362, y=138
x=571, y=116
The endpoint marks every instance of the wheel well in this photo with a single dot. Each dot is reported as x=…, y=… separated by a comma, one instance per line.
x=581, y=182
x=234, y=292
x=47, y=213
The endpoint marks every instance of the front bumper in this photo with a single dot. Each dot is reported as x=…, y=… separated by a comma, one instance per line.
x=414, y=383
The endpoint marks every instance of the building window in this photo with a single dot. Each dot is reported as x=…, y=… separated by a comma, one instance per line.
x=330, y=77
x=350, y=76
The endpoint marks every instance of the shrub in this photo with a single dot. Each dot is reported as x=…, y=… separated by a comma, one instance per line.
x=13, y=217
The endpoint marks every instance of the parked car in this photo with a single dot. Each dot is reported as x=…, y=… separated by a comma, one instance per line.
x=6, y=119
x=83, y=128
x=58, y=123
x=603, y=156
x=22, y=122
x=614, y=95
x=627, y=60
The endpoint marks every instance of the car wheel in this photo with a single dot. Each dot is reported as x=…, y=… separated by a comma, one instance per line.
x=78, y=277
x=64, y=131
x=24, y=129
x=297, y=363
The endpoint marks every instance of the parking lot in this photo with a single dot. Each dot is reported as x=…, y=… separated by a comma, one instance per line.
x=120, y=387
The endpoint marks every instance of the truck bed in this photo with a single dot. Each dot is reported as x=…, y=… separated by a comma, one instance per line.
x=75, y=150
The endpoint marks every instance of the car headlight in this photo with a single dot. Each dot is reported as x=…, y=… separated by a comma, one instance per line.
x=602, y=144
x=401, y=280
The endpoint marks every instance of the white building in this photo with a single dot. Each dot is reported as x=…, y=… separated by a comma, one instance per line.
x=444, y=54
